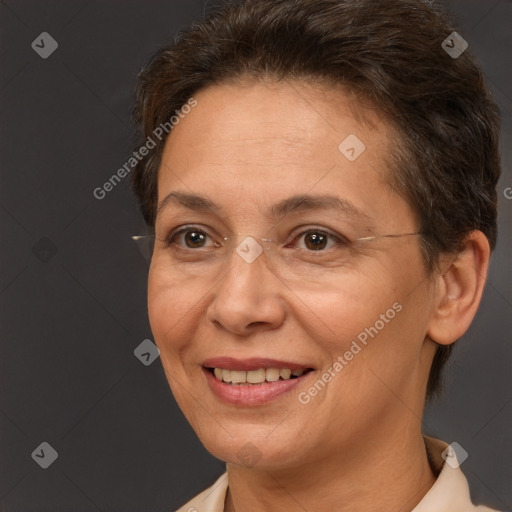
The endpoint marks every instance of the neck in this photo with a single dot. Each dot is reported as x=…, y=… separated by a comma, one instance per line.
x=390, y=473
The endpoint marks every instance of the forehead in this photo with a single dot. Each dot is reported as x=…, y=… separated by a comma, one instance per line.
x=256, y=141
x=288, y=115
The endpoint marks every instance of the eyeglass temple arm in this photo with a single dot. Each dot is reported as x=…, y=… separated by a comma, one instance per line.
x=394, y=235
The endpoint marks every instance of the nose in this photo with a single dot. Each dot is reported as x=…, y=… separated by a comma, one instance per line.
x=248, y=298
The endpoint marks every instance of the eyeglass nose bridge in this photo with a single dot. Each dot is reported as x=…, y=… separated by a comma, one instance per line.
x=249, y=247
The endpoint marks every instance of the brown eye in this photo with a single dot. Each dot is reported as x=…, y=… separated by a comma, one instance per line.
x=194, y=239
x=315, y=240
x=188, y=238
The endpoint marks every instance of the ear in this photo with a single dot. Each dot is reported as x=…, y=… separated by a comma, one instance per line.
x=459, y=290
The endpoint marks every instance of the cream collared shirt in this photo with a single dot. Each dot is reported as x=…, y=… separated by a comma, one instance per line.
x=450, y=492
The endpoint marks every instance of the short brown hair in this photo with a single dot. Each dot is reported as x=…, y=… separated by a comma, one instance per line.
x=390, y=54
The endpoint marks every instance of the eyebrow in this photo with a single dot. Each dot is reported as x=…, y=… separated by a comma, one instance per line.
x=297, y=203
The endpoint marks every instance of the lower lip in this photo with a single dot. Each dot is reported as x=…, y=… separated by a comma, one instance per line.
x=251, y=394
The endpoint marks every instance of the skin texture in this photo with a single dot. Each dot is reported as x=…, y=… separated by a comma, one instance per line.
x=357, y=445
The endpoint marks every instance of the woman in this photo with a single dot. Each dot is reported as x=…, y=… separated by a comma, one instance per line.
x=323, y=214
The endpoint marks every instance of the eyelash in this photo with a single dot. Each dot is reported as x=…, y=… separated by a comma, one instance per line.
x=338, y=239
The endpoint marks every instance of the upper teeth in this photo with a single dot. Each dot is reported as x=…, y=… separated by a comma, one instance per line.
x=255, y=376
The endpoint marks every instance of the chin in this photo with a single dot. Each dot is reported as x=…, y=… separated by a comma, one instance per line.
x=249, y=448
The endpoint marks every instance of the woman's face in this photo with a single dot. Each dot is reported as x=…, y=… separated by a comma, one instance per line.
x=355, y=315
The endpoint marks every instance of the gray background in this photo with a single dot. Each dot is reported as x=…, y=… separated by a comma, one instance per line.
x=73, y=284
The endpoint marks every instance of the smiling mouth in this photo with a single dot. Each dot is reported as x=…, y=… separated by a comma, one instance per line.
x=255, y=377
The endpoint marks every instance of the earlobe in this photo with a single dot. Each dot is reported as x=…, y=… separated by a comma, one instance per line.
x=459, y=290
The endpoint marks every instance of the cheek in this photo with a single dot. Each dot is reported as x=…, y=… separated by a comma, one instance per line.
x=171, y=311
x=170, y=308
x=378, y=315
x=352, y=302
